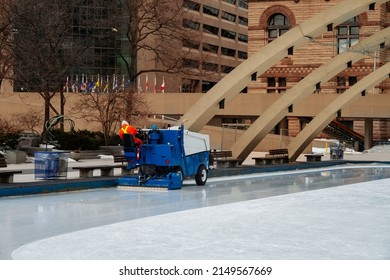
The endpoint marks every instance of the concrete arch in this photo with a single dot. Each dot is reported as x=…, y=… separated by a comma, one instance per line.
x=207, y=106
x=275, y=113
x=321, y=120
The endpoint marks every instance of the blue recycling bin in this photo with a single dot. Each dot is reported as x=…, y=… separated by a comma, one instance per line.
x=50, y=165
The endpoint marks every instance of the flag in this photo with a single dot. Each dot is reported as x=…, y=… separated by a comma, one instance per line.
x=123, y=83
x=90, y=86
x=155, y=84
x=97, y=84
x=147, y=84
x=128, y=84
x=114, y=82
x=75, y=85
x=162, y=87
x=106, y=86
x=82, y=84
x=86, y=84
x=66, y=86
x=139, y=84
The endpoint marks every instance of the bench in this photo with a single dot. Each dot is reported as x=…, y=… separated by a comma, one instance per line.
x=105, y=170
x=7, y=176
x=223, y=158
x=120, y=158
x=314, y=157
x=274, y=156
x=278, y=153
x=87, y=171
x=263, y=160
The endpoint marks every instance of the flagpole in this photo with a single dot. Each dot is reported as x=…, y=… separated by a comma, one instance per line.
x=147, y=84
x=101, y=84
x=155, y=84
x=139, y=84
x=82, y=84
x=76, y=84
x=107, y=85
x=162, y=87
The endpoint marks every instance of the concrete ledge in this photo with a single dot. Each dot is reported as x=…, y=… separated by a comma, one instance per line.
x=313, y=157
x=87, y=171
x=7, y=176
x=55, y=186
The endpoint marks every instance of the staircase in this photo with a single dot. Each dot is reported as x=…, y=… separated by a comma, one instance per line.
x=343, y=133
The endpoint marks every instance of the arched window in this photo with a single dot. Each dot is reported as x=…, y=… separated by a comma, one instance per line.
x=277, y=26
x=347, y=34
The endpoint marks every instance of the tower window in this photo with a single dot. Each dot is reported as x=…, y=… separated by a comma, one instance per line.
x=210, y=10
x=277, y=26
x=347, y=34
x=210, y=29
x=276, y=85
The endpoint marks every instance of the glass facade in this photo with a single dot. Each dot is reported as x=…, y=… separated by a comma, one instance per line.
x=104, y=42
x=93, y=44
x=222, y=26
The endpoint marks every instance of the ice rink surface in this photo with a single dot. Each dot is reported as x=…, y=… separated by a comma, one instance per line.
x=321, y=214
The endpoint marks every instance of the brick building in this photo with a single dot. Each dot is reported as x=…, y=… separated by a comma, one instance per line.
x=270, y=19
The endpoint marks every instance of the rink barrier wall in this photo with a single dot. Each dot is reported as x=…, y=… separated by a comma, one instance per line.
x=66, y=185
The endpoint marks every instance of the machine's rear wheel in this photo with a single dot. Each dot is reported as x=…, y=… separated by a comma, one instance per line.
x=201, y=176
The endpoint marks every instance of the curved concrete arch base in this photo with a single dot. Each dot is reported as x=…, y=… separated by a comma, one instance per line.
x=311, y=130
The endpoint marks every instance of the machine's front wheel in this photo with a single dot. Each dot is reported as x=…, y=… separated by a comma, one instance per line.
x=180, y=171
x=201, y=176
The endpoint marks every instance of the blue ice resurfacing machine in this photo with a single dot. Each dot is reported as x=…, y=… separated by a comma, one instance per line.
x=166, y=157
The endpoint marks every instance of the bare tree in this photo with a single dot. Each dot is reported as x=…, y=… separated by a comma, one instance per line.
x=9, y=133
x=154, y=29
x=30, y=120
x=6, y=41
x=44, y=48
x=109, y=109
x=7, y=125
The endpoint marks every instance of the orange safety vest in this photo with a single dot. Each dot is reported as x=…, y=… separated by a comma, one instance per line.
x=124, y=129
x=128, y=129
